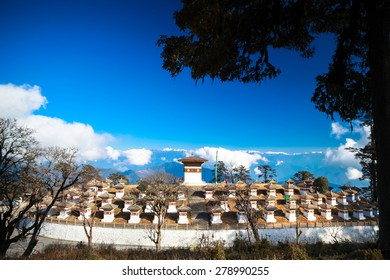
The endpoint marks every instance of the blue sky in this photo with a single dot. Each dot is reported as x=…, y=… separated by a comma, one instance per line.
x=89, y=58
x=94, y=67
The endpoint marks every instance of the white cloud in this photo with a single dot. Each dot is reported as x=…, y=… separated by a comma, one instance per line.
x=353, y=173
x=338, y=130
x=112, y=153
x=138, y=156
x=276, y=153
x=229, y=157
x=173, y=150
x=257, y=171
x=163, y=158
x=20, y=101
x=120, y=166
x=279, y=162
x=341, y=156
x=57, y=132
x=365, y=132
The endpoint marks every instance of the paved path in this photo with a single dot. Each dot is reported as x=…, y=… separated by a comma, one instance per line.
x=16, y=249
x=198, y=209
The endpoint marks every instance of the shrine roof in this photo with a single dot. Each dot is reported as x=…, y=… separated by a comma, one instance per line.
x=192, y=159
x=134, y=208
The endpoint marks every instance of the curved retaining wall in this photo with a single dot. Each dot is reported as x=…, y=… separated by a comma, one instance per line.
x=187, y=238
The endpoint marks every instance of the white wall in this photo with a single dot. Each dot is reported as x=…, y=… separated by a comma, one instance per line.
x=187, y=238
x=192, y=177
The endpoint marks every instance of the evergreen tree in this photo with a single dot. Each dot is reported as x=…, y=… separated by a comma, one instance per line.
x=230, y=40
x=115, y=177
x=222, y=172
x=303, y=175
x=267, y=172
x=88, y=173
x=241, y=173
x=368, y=161
x=321, y=184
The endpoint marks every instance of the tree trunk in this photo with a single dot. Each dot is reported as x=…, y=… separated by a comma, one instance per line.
x=249, y=231
x=6, y=239
x=89, y=233
x=4, y=248
x=90, y=243
x=256, y=233
x=373, y=166
x=255, y=230
x=158, y=239
x=374, y=184
x=378, y=31
x=30, y=247
x=34, y=238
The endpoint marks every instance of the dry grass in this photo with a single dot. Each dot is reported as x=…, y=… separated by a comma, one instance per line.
x=209, y=250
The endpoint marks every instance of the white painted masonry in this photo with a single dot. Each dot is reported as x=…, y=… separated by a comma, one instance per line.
x=186, y=238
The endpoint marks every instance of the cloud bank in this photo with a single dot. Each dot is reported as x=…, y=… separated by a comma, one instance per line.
x=20, y=102
x=112, y=153
x=138, y=156
x=23, y=102
x=338, y=130
x=341, y=156
x=353, y=173
x=229, y=157
x=57, y=132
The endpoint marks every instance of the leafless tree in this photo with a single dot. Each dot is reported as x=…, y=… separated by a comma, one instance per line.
x=161, y=178
x=336, y=234
x=160, y=191
x=88, y=223
x=89, y=175
x=58, y=170
x=252, y=214
x=28, y=175
x=18, y=153
x=159, y=196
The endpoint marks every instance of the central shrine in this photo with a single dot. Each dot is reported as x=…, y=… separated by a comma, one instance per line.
x=193, y=171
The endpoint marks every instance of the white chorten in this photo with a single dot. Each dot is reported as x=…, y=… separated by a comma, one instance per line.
x=193, y=171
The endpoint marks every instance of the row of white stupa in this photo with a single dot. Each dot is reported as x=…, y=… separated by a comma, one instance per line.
x=310, y=202
x=344, y=202
x=193, y=177
x=192, y=166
